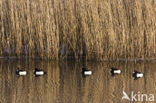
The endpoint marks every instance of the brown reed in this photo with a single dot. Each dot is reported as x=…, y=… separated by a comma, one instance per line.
x=92, y=29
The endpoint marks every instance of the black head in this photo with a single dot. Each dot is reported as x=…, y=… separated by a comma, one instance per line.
x=83, y=70
x=135, y=71
x=37, y=69
x=17, y=71
x=112, y=71
x=113, y=68
x=135, y=75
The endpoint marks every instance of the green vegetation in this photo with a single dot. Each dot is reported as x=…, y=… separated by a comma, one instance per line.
x=94, y=29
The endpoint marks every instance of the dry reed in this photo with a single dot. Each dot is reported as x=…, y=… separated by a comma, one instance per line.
x=94, y=29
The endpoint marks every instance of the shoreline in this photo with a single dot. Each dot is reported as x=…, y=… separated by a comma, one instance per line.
x=72, y=59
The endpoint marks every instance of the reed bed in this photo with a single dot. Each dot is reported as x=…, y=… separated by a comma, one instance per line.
x=89, y=29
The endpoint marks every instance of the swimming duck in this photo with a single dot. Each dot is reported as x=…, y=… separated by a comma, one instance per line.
x=115, y=71
x=137, y=75
x=38, y=72
x=21, y=72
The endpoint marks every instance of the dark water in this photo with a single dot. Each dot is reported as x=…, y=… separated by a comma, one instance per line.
x=65, y=84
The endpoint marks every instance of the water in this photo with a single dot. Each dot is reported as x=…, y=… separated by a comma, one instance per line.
x=64, y=82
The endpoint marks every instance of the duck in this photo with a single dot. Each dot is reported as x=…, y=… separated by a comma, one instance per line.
x=38, y=72
x=115, y=71
x=86, y=72
x=20, y=72
x=137, y=75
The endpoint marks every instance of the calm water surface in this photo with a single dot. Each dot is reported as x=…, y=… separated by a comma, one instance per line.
x=64, y=82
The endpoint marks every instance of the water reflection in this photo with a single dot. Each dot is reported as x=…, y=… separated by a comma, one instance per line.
x=64, y=82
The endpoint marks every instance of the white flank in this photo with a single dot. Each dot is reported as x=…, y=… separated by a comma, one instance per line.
x=140, y=75
x=40, y=73
x=117, y=71
x=88, y=73
x=22, y=73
